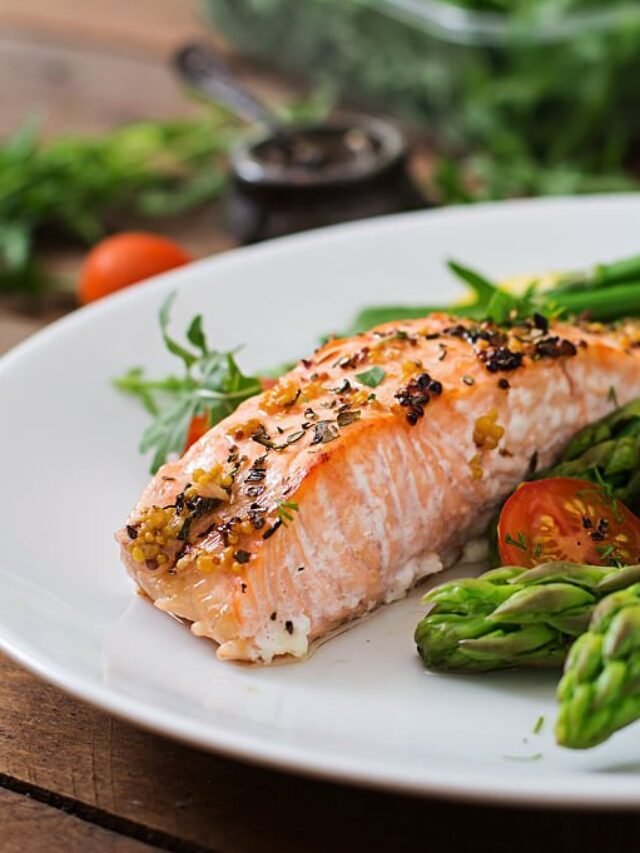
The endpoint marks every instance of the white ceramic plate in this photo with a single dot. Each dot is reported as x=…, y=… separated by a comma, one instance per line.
x=361, y=708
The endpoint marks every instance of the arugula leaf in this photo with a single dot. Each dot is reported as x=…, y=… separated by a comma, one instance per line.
x=173, y=346
x=212, y=385
x=133, y=382
x=196, y=335
x=168, y=432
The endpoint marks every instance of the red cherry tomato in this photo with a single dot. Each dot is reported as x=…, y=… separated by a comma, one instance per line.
x=125, y=259
x=566, y=519
x=197, y=428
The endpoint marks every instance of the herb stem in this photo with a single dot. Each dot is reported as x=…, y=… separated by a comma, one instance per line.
x=207, y=394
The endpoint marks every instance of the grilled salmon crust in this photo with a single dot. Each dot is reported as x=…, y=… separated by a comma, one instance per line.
x=363, y=470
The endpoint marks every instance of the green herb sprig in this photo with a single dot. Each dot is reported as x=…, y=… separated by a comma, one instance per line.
x=212, y=385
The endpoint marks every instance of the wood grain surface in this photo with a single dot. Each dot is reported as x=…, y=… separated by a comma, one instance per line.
x=51, y=830
x=29, y=825
x=73, y=778
x=175, y=797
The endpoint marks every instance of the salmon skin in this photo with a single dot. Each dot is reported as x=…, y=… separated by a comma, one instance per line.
x=365, y=469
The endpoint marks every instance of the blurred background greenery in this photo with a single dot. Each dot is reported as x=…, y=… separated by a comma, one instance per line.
x=520, y=97
x=500, y=99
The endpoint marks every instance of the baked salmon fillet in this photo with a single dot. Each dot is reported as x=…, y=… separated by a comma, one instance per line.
x=365, y=469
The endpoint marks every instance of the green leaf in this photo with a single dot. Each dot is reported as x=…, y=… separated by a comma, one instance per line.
x=133, y=382
x=372, y=377
x=196, y=335
x=501, y=306
x=168, y=432
x=481, y=286
x=213, y=383
x=172, y=345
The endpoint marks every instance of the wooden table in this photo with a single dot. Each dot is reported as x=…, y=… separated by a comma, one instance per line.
x=75, y=779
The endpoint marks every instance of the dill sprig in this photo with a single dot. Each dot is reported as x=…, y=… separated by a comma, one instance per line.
x=284, y=511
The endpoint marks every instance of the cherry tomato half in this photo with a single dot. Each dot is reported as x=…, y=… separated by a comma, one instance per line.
x=125, y=259
x=197, y=428
x=566, y=519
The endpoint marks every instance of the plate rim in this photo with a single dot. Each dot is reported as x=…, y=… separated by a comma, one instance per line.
x=468, y=786
x=461, y=786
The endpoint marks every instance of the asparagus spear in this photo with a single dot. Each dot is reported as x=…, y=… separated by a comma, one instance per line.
x=599, y=692
x=512, y=616
x=606, y=452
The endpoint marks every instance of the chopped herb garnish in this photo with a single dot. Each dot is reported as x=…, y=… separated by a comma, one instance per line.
x=295, y=436
x=284, y=510
x=613, y=396
x=607, y=489
x=324, y=432
x=520, y=540
x=611, y=554
x=372, y=377
x=539, y=724
x=256, y=474
x=263, y=439
x=348, y=417
x=605, y=551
